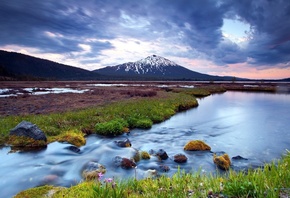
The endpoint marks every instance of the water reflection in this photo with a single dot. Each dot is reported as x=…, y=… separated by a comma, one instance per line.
x=252, y=125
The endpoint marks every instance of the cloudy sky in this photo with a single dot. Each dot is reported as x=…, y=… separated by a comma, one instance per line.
x=248, y=38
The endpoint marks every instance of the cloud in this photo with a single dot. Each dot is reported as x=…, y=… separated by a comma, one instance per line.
x=270, y=40
x=100, y=32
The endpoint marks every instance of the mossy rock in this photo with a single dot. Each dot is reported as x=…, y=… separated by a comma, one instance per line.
x=223, y=162
x=145, y=155
x=22, y=141
x=93, y=170
x=196, y=145
x=73, y=137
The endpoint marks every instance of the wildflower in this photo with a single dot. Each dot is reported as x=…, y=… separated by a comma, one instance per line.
x=100, y=175
x=108, y=180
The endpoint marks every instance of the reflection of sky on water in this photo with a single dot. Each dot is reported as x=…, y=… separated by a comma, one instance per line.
x=40, y=91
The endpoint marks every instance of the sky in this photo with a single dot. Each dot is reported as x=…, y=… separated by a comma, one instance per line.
x=248, y=38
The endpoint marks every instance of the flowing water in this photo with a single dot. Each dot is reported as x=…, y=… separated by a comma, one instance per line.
x=252, y=125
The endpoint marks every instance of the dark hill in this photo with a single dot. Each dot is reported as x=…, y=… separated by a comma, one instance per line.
x=22, y=66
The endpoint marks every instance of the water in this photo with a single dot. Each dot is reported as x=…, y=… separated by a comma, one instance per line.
x=252, y=125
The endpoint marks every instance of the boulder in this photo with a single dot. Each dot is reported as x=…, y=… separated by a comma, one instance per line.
x=180, y=158
x=27, y=129
x=124, y=162
x=93, y=170
x=26, y=134
x=123, y=143
x=196, y=145
x=223, y=162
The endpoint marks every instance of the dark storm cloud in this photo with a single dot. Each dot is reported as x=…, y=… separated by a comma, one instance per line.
x=269, y=20
x=61, y=26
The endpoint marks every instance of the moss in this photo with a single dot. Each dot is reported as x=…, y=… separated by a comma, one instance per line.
x=145, y=155
x=223, y=162
x=73, y=137
x=144, y=123
x=196, y=145
x=113, y=127
x=37, y=192
x=22, y=141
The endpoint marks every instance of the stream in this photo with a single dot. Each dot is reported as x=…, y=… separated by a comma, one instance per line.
x=254, y=126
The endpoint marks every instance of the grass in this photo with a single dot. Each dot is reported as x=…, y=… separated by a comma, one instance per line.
x=111, y=119
x=271, y=181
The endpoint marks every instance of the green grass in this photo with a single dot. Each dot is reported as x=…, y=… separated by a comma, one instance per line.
x=112, y=119
x=270, y=181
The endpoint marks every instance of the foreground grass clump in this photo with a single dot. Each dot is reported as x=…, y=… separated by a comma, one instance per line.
x=111, y=119
x=271, y=181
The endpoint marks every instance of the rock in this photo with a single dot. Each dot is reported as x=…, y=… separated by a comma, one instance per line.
x=164, y=168
x=93, y=170
x=27, y=129
x=124, y=162
x=145, y=155
x=73, y=137
x=196, y=145
x=50, y=179
x=223, y=162
x=25, y=135
x=151, y=173
x=180, y=158
x=238, y=157
x=73, y=149
x=123, y=143
x=161, y=154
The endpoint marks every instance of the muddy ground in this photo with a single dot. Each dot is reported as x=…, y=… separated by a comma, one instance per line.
x=42, y=104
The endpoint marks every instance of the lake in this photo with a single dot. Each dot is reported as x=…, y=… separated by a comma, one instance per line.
x=252, y=125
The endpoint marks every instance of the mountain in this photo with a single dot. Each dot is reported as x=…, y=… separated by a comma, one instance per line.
x=20, y=66
x=156, y=67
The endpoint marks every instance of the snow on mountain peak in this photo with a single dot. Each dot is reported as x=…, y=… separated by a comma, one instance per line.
x=156, y=61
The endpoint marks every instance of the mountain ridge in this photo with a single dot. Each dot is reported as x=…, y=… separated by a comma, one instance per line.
x=156, y=66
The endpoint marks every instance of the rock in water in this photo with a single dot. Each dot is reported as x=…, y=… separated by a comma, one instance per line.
x=123, y=143
x=93, y=170
x=27, y=129
x=180, y=158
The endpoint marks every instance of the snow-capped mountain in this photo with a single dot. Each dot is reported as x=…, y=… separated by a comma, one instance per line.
x=155, y=67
